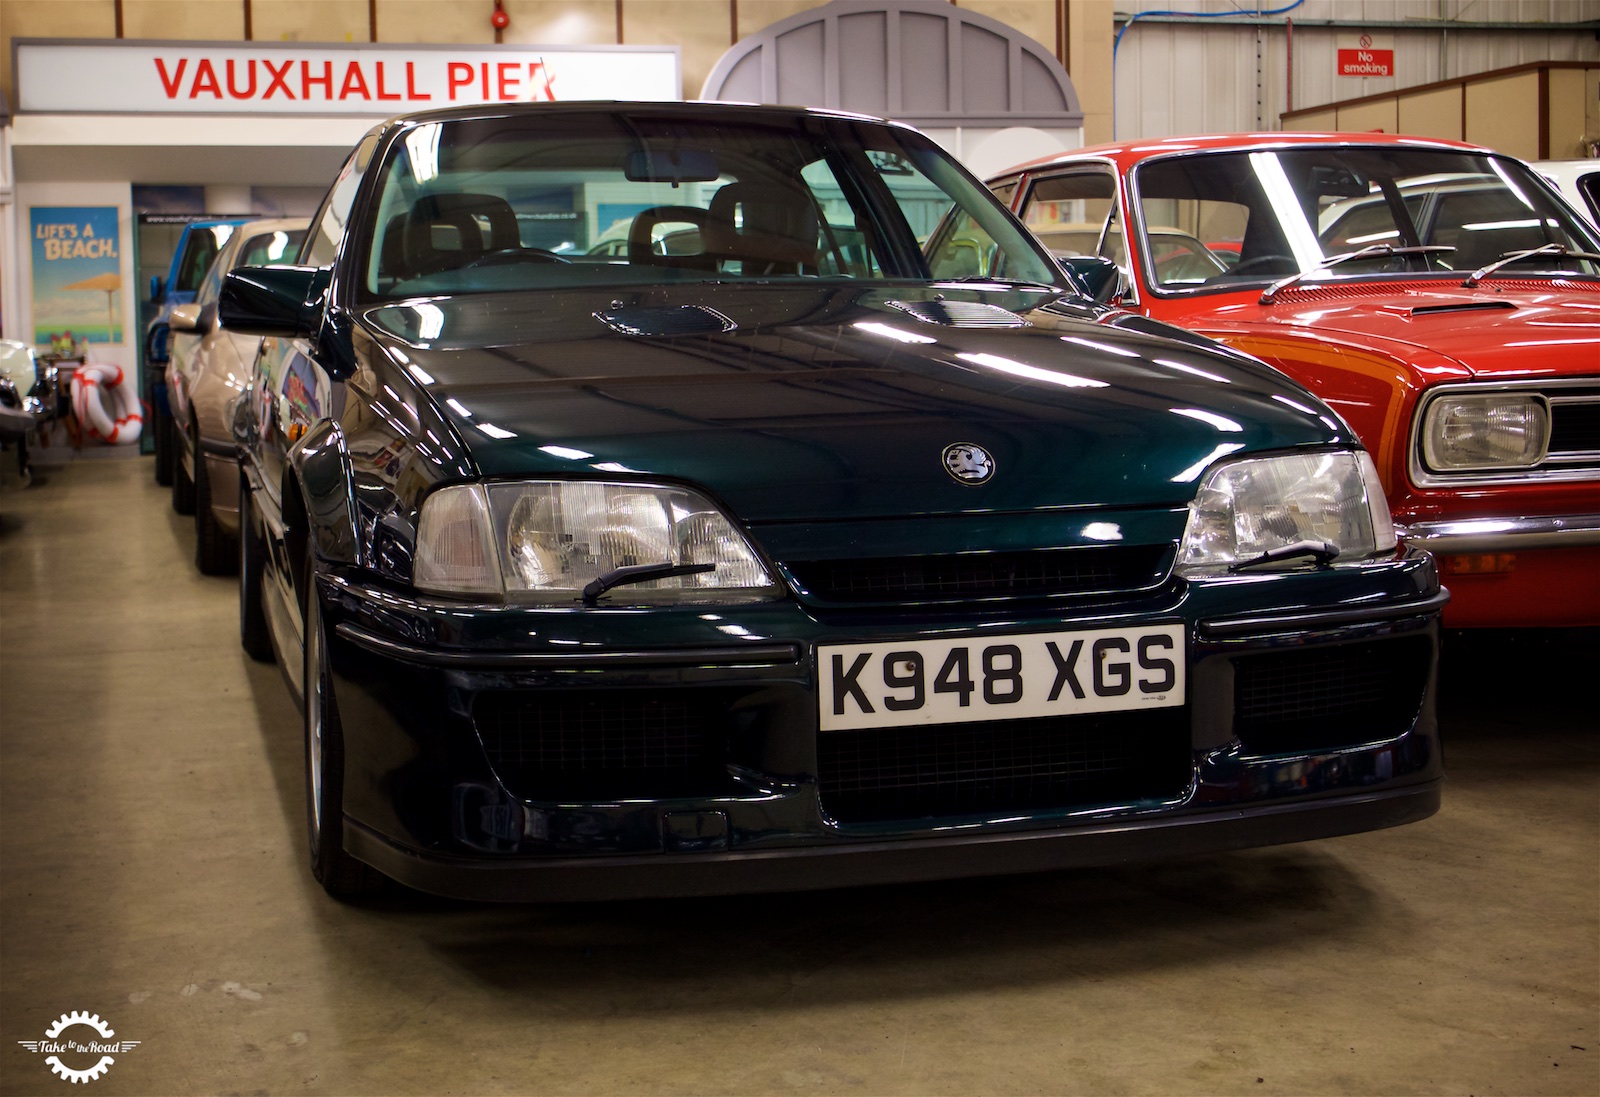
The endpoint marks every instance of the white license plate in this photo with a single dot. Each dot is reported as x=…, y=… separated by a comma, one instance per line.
x=907, y=682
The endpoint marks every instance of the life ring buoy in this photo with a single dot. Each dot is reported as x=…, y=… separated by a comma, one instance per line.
x=87, y=383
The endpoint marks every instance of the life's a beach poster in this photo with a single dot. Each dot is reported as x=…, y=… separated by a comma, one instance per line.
x=77, y=273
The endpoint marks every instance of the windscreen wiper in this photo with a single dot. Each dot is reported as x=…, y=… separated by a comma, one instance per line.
x=1009, y=283
x=639, y=573
x=1516, y=256
x=1364, y=253
x=1322, y=551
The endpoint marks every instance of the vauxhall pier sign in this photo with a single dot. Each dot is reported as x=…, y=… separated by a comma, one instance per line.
x=130, y=77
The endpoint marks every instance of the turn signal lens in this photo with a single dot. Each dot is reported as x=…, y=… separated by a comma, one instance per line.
x=1483, y=563
x=453, y=543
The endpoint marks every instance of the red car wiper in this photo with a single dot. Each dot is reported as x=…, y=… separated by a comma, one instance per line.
x=1334, y=260
x=1515, y=256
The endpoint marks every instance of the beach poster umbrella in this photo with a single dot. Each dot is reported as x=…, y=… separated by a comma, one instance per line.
x=110, y=283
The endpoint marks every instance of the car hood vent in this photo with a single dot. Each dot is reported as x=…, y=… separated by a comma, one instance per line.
x=654, y=320
x=1465, y=305
x=960, y=314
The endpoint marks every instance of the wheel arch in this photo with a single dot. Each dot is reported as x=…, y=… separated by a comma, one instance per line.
x=318, y=509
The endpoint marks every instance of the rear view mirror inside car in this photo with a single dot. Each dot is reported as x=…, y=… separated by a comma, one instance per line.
x=675, y=165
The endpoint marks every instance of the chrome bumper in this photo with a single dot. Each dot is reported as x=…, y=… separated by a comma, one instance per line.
x=1504, y=534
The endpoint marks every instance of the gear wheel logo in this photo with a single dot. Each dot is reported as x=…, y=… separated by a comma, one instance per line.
x=79, y=1047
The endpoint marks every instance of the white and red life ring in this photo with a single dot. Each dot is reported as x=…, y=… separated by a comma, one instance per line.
x=88, y=382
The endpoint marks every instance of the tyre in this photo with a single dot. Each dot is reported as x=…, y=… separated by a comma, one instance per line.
x=253, y=634
x=341, y=875
x=213, y=549
x=162, y=433
x=182, y=484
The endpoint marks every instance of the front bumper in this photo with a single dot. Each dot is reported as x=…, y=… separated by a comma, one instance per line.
x=1514, y=572
x=433, y=797
x=1475, y=535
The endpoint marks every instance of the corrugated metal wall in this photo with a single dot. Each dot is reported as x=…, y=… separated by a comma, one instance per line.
x=1205, y=77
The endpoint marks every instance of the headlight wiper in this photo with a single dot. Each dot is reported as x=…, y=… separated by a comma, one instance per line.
x=1322, y=551
x=639, y=573
x=1516, y=256
x=1334, y=260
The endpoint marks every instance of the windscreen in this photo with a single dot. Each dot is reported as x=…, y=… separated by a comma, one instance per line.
x=1277, y=212
x=564, y=200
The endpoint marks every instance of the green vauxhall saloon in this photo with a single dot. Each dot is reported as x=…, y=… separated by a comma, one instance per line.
x=821, y=531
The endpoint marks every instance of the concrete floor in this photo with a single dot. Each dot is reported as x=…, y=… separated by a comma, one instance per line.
x=151, y=872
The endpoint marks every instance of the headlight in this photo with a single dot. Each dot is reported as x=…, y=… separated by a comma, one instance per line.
x=1247, y=508
x=550, y=539
x=1485, y=431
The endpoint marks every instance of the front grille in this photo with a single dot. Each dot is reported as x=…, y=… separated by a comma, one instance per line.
x=1325, y=698
x=1004, y=765
x=582, y=745
x=1075, y=571
x=1574, y=428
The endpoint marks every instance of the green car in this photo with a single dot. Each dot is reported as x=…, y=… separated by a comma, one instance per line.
x=793, y=554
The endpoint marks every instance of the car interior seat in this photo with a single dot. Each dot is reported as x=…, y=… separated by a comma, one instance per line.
x=447, y=231
x=685, y=248
x=767, y=226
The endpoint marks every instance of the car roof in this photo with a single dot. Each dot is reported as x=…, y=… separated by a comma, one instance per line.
x=667, y=107
x=1131, y=152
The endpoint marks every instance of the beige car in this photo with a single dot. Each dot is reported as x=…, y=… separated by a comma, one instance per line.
x=207, y=370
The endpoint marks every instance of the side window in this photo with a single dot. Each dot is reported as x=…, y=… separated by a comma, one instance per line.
x=211, y=287
x=322, y=245
x=847, y=249
x=1484, y=223
x=1589, y=187
x=201, y=249
x=953, y=243
x=1070, y=214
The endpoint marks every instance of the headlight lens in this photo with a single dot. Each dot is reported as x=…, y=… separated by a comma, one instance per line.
x=1249, y=507
x=1485, y=431
x=552, y=538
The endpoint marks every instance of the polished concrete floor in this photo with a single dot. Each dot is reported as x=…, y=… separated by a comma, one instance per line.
x=151, y=873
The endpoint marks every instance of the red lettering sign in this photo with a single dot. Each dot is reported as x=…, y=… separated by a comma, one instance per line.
x=170, y=86
x=1366, y=62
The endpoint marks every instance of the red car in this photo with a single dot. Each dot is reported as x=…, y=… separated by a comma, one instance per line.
x=1440, y=297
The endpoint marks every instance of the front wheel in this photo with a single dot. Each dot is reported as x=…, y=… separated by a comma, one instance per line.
x=341, y=875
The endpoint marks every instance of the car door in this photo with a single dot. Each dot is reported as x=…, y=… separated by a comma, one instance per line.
x=289, y=394
x=185, y=347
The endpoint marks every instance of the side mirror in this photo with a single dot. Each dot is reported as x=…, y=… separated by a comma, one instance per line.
x=1100, y=278
x=156, y=287
x=184, y=318
x=281, y=302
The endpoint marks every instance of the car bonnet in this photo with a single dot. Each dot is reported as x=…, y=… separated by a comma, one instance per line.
x=822, y=403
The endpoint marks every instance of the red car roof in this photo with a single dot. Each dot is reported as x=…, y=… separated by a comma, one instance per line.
x=1130, y=152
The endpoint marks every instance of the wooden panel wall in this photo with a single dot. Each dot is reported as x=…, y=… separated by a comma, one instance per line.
x=1503, y=114
x=1432, y=114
